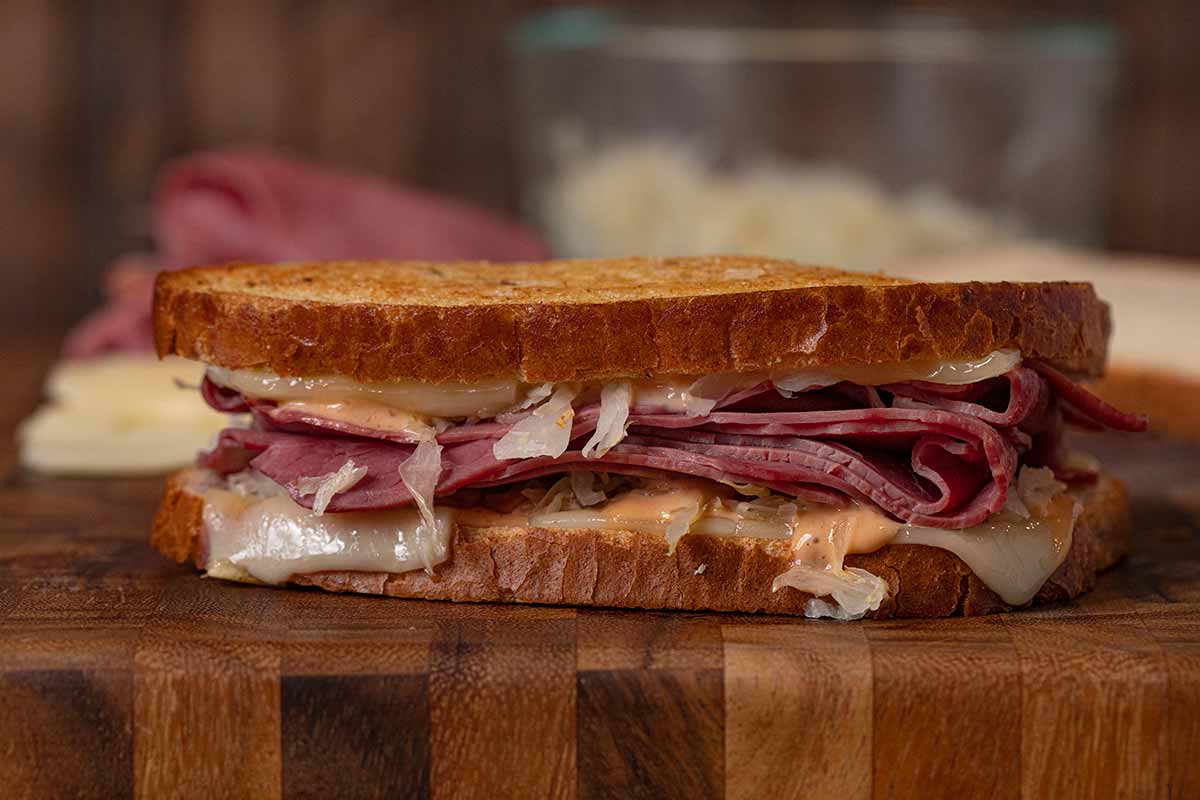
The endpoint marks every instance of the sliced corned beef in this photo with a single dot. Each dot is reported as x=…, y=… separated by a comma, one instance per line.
x=924, y=453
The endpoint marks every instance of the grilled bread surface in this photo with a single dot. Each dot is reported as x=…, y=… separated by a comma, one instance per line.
x=595, y=320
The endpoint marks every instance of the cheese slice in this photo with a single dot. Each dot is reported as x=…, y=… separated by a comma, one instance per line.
x=447, y=400
x=368, y=404
x=366, y=414
x=119, y=414
x=253, y=528
x=272, y=538
x=1012, y=556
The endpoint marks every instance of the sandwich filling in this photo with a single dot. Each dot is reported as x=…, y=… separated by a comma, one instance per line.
x=967, y=456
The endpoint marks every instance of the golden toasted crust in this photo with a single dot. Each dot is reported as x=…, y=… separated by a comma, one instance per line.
x=179, y=522
x=633, y=570
x=585, y=320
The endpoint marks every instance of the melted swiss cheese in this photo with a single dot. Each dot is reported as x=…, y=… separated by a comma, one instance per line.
x=362, y=403
x=271, y=538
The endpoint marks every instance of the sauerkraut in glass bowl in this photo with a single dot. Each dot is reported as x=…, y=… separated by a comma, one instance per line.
x=860, y=141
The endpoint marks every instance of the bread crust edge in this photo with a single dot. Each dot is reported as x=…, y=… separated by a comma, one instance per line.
x=1063, y=323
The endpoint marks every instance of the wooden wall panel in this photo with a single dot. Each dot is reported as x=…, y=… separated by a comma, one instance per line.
x=237, y=82
x=370, y=66
x=1156, y=187
x=39, y=162
x=470, y=102
x=127, y=85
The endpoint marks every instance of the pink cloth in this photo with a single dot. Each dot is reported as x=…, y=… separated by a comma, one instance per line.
x=256, y=205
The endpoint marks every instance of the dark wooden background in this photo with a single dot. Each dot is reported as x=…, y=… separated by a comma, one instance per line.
x=94, y=95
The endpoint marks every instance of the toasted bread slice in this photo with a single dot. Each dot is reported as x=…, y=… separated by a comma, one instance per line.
x=595, y=320
x=633, y=570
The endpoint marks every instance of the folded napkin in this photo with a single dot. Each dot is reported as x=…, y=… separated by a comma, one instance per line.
x=256, y=205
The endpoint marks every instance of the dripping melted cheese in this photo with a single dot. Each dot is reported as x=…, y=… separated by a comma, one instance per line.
x=261, y=533
x=270, y=538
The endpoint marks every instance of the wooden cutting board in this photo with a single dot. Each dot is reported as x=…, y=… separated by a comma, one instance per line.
x=122, y=674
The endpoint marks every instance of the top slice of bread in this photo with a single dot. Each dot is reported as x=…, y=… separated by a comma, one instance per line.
x=592, y=320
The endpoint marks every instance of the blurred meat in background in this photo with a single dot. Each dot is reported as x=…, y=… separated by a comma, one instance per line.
x=254, y=205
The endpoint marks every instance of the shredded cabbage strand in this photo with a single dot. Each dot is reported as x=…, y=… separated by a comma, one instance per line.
x=554, y=500
x=855, y=591
x=583, y=484
x=1038, y=487
x=420, y=473
x=326, y=486
x=535, y=395
x=252, y=483
x=681, y=520
x=702, y=396
x=615, y=399
x=800, y=382
x=1035, y=489
x=545, y=432
x=749, y=489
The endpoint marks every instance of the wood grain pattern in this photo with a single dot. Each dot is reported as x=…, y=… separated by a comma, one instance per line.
x=650, y=733
x=51, y=717
x=369, y=732
x=947, y=709
x=236, y=73
x=208, y=696
x=789, y=684
x=122, y=675
x=1081, y=685
x=1179, y=638
x=650, y=705
x=127, y=89
x=502, y=709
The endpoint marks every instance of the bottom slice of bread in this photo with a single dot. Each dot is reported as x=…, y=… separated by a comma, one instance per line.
x=633, y=570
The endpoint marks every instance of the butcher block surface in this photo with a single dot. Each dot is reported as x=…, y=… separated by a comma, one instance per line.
x=122, y=674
